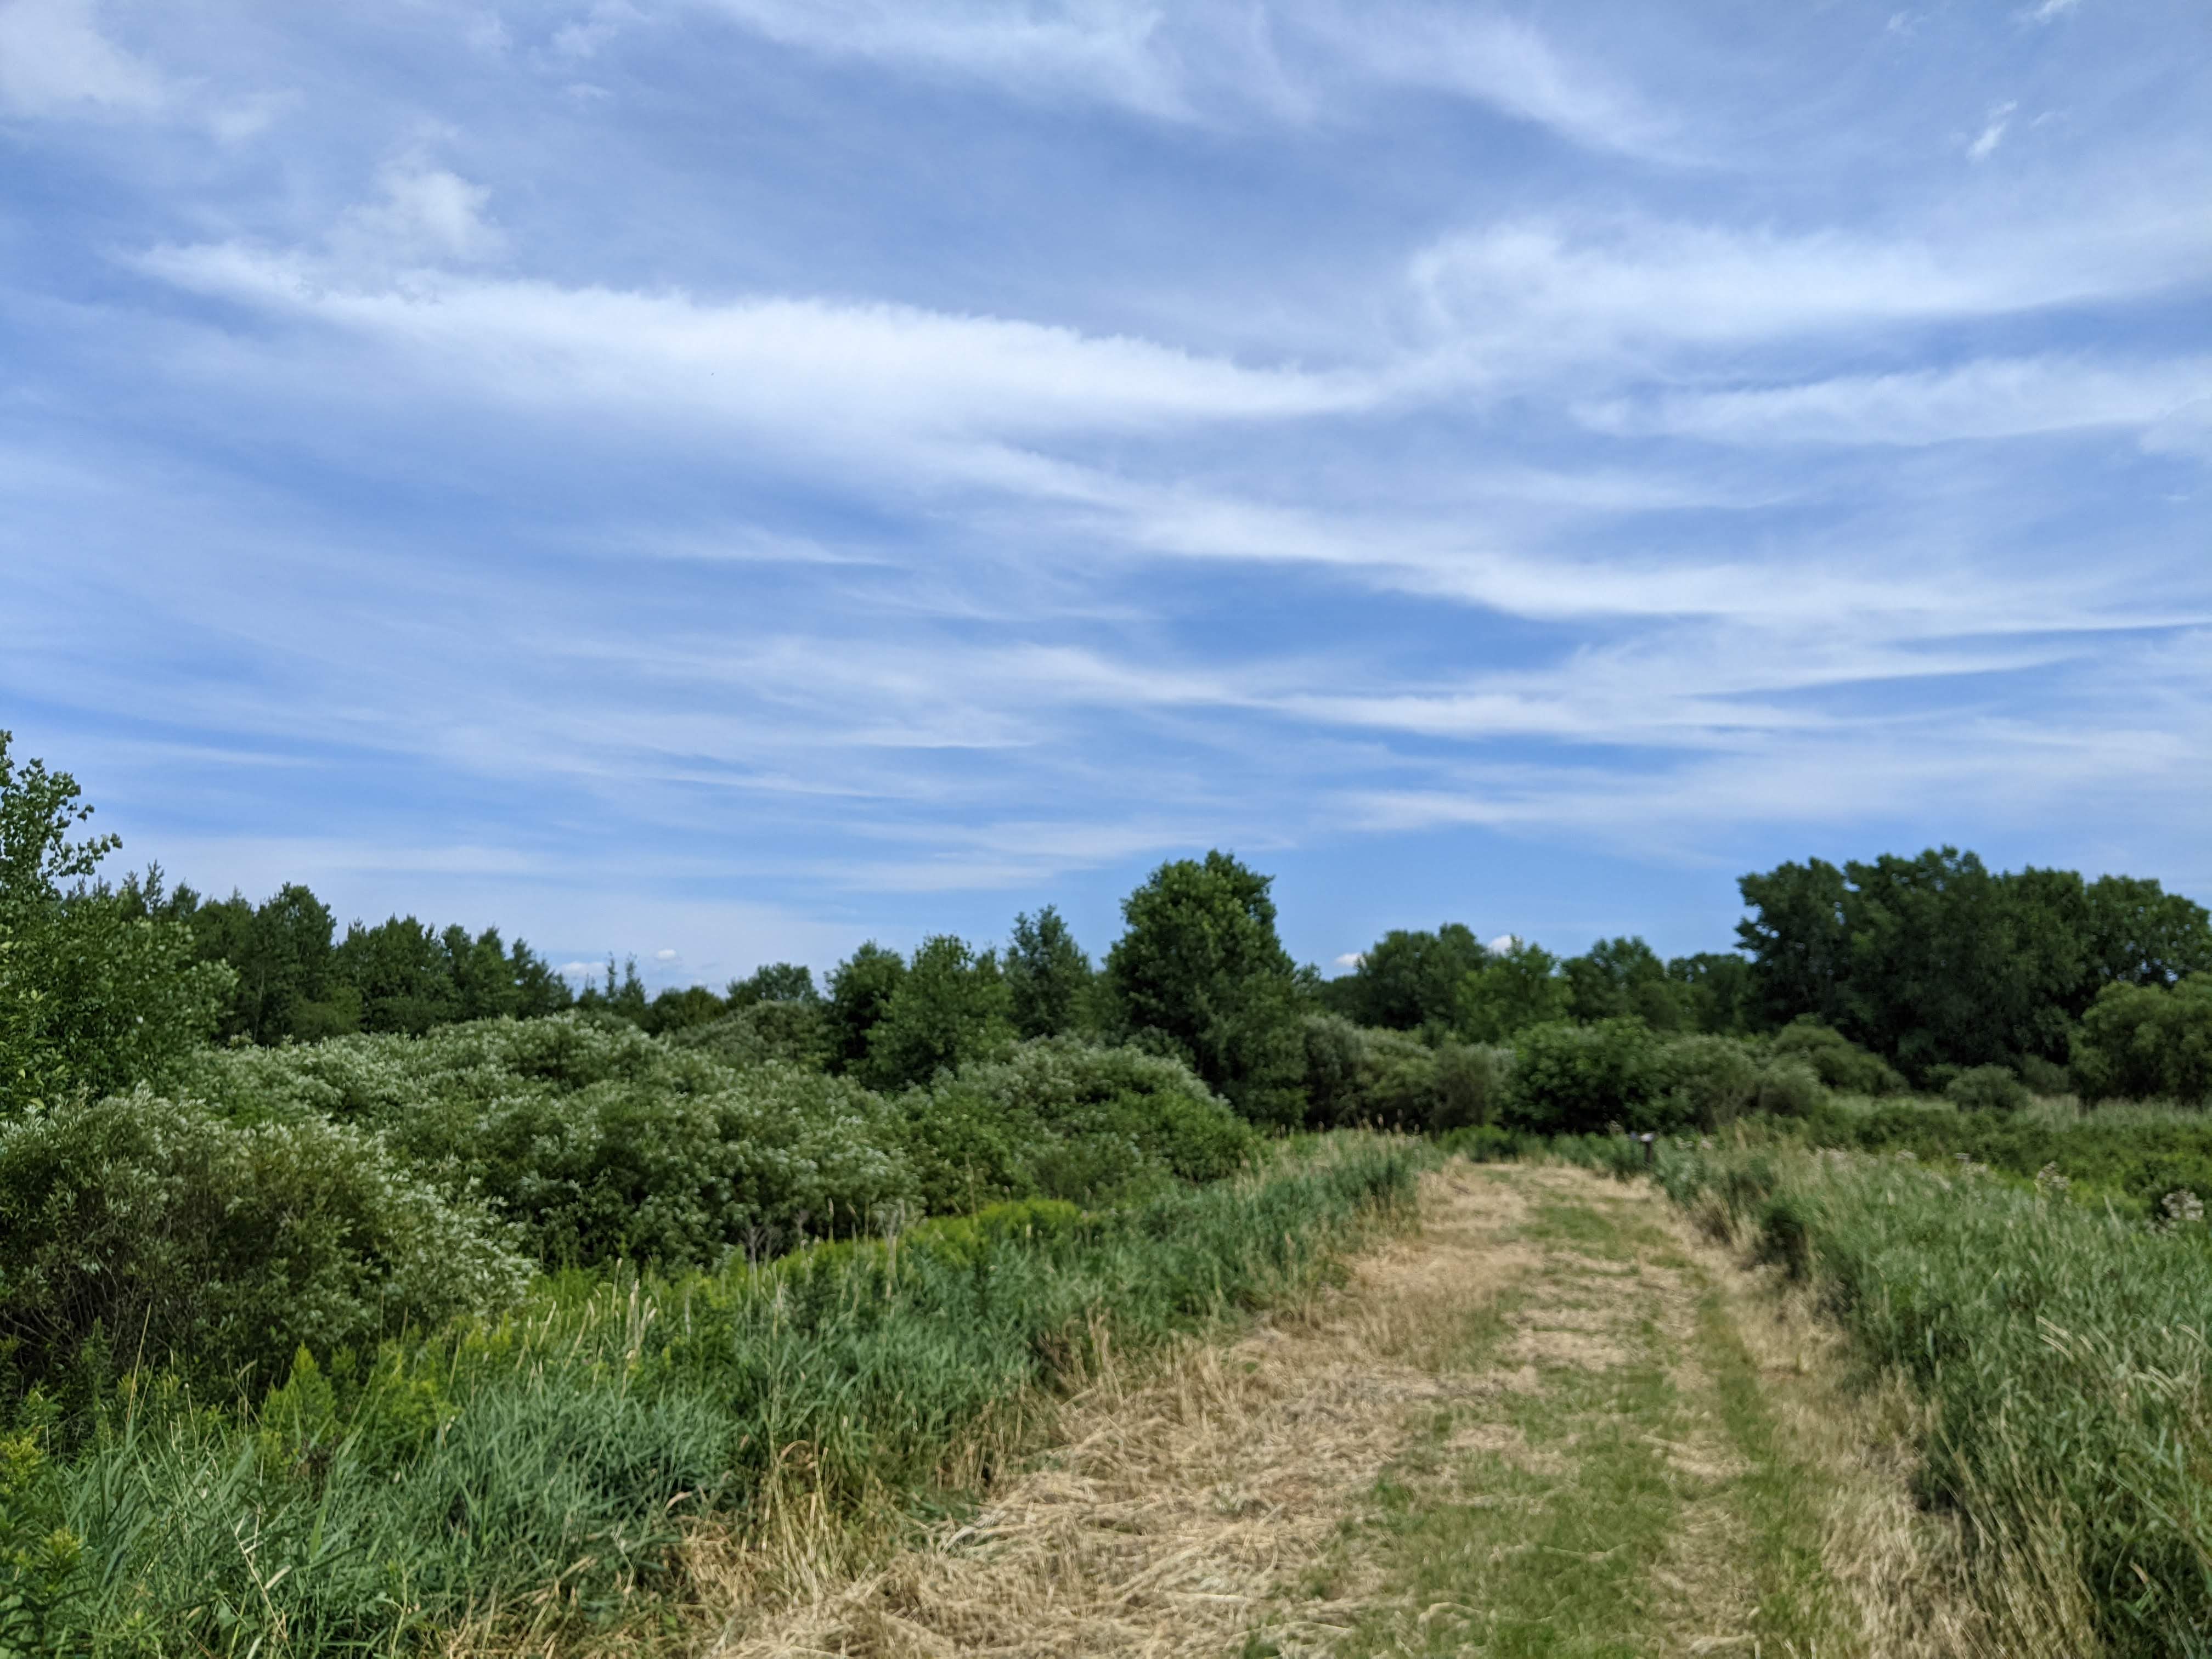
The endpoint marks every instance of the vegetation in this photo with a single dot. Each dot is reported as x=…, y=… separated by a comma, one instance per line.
x=540, y=1469
x=456, y=1297
x=2059, y=1349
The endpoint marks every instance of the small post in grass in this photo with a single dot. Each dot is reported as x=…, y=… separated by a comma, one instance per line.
x=1649, y=1141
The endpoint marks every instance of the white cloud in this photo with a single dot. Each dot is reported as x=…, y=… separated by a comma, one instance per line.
x=1994, y=398
x=1350, y=960
x=2048, y=10
x=423, y=215
x=1534, y=292
x=53, y=60
x=1992, y=133
x=1200, y=61
x=790, y=370
x=1495, y=60
x=667, y=956
x=1103, y=48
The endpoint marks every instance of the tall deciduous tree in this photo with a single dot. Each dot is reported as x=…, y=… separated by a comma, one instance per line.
x=1047, y=976
x=952, y=1005
x=1407, y=980
x=1201, y=970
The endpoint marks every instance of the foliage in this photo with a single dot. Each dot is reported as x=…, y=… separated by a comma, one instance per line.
x=1385, y=1079
x=597, y=1141
x=795, y=1032
x=1408, y=980
x=1508, y=991
x=951, y=1006
x=1935, y=961
x=1049, y=978
x=1835, y=1059
x=145, y=1228
x=547, y=1465
x=1987, y=1089
x=1706, y=1081
x=1576, y=1079
x=2147, y=1044
x=772, y=982
x=96, y=992
x=1061, y=1119
x=1623, y=979
x=860, y=989
x=1201, y=971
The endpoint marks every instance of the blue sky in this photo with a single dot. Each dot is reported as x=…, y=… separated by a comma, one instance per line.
x=723, y=479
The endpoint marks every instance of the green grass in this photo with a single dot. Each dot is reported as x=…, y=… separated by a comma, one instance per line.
x=1540, y=1523
x=2063, y=1350
x=540, y=1469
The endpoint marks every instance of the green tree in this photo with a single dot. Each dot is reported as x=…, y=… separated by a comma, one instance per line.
x=775, y=982
x=1620, y=979
x=1201, y=971
x=2139, y=1041
x=860, y=989
x=98, y=987
x=1511, y=990
x=2138, y=933
x=1715, y=989
x=1795, y=939
x=952, y=1005
x=1049, y=978
x=1951, y=965
x=1407, y=981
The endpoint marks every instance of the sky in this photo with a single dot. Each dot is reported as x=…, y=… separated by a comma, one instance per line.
x=721, y=480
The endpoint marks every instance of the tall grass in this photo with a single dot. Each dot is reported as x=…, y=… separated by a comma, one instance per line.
x=2063, y=1350
x=542, y=1469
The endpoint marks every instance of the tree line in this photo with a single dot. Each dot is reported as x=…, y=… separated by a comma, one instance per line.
x=1930, y=965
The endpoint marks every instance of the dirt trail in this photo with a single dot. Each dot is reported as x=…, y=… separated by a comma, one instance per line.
x=1524, y=1428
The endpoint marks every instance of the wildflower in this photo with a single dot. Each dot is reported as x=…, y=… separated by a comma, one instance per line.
x=2050, y=1182
x=2183, y=1209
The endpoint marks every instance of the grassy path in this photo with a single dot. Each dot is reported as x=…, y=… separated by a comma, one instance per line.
x=1534, y=1427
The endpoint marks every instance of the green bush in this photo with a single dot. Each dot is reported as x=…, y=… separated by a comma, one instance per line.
x=1367, y=1075
x=795, y=1032
x=1987, y=1089
x=1789, y=1087
x=1061, y=1118
x=2146, y=1044
x=595, y=1140
x=139, y=1229
x=1578, y=1080
x=1706, y=1081
x=1837, y=1061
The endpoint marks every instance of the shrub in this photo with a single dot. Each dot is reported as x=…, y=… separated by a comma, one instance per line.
x=1789, y=1087
x=2141, y=1042
x=139, y=1227
x=1987, y=1089
x=1835, y=1060
x=1706, y=1081
x=598, y=1141
x=795, y=1032
x=1368, y=1075
x=1060, y=1118
x=1471, y=1080
x=1577, y=1080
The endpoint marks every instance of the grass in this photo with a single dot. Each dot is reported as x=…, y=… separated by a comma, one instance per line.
x=540, y=1474
x=1623, y=1490
x=2060, y=1352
